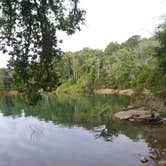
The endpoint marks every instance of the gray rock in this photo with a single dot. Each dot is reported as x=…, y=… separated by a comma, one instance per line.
x=163, y=153
x=134, y=106
x=140, y=114
x=133, y=114
x=153, y=156
x=143, y=159
x=124, y=115
x=162, y=163
x=155, y=141
x=163, y=121
x=131, y=120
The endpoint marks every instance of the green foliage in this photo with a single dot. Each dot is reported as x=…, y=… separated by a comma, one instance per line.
x=161, y=49
x=131, y=42
x=82, y=69
x=112, y=47
x=36, y=64
x=30, y=28
x=163, y=113
x=131, y=65
x=5, y=80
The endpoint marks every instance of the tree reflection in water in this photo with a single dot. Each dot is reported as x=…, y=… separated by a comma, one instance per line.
x=36, y=132
x=93, y=113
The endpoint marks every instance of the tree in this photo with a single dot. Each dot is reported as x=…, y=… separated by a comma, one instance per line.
x=112, y=47
x=5, y=79
x=30, y=28
x=131, y=42
x=161, y=50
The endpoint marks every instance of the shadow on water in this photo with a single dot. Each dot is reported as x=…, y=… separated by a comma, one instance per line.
x=91, y=113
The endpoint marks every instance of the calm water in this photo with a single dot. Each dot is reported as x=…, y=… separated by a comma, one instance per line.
x=74, y=131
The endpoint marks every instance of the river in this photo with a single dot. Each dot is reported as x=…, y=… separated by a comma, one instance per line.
x=75, y=131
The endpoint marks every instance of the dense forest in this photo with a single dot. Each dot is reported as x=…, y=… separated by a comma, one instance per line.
x=37, y=63
x=137, y=63
x=5, y=79
x=132, y=64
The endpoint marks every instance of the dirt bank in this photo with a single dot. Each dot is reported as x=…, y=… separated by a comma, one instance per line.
x=9, y=93
x=127, y=92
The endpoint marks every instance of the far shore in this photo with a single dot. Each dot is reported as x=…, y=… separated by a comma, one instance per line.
x=9, y=93
x=128, y=92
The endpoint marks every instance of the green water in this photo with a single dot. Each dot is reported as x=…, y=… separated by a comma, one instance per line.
x=75, y=131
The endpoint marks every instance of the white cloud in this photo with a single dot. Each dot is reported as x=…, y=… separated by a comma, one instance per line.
x=111, y=20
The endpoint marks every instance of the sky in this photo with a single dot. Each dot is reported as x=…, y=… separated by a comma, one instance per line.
x=112, y=20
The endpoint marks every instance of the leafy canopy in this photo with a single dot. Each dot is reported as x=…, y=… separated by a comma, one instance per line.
x=161, y=50
x=29, y=28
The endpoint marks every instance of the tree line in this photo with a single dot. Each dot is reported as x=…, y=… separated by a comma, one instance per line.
x=137, y=63
x=30, y=27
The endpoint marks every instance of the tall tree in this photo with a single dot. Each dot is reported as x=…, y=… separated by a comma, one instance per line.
x=111, y=48
x=131, y=42
x=29, y=28
x=161, y=50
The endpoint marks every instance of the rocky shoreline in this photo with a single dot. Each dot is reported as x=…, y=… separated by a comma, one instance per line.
x=150, y=111
x=140, y=114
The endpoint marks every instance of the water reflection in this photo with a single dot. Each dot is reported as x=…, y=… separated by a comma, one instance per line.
x=36, y=132
x=78, y=130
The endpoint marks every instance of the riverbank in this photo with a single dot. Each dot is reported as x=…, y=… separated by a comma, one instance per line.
x=150, y=110
x=128, y=92
x=9, y=93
